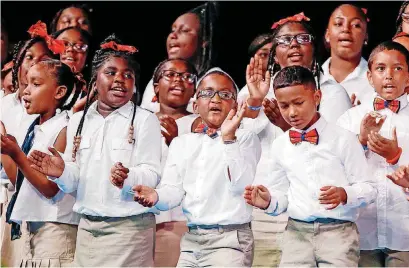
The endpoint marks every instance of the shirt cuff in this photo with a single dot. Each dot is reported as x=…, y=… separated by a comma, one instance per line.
x=271, y=209
x=352, y=196
x=162, y=206
x=232, y=151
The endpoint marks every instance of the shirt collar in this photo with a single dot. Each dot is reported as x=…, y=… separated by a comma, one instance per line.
x=125, y=110
x=319, y=125
x=359, y=71
x=49, y=125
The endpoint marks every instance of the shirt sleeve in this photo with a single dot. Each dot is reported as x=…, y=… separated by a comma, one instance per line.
x=148, y=154
x=241, y=159
x=362, y=189
x=170, y=190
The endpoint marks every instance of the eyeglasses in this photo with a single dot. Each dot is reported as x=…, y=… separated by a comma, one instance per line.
x=77, y=47
x=171, y=75
x=301, y=39
x=210, y=93
x=405, y=17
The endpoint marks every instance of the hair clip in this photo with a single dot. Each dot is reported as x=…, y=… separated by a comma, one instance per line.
x=117, y=47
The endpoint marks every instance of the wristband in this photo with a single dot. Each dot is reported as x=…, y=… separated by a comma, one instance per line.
x=394, y=160
x=253, y=108
x=230, y=141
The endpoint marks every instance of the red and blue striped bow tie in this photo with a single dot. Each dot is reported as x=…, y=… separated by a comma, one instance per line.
x=380, y=104
x=203, y=128
x=310, y=136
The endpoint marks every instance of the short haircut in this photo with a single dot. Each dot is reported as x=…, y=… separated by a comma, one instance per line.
x=293, y=76
x=388, y=45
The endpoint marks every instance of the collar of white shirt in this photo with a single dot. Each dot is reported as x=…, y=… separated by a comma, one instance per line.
x=48, y=127
x=359, y=71
x=125, y=110
x=319, y=125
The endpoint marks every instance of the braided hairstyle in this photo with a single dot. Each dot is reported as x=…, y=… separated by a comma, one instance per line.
x=315, y=68
x=101, y=56
x=85, y=9
x=258, y=42
x=19, y=53
x=64, y=77
x=399, y=18
x=207, y=14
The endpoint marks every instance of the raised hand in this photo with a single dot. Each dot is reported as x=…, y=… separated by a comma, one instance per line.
x=386, y=148
x=274, y=115
x=369, y=123
x=400, y=176
x=9, y=146
x=257, y=196
x=2, y=129
x=171, y=128
x=353, y=99
x=146, y=196
x=332, y=196
x=257, y=82
x=119, y=174
x=232, y=122
x=50, y=165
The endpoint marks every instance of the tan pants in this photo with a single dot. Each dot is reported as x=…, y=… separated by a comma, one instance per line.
x=116, y=242
x=384, y=258
x=268, y=234
x=320, y=244
x=11, y=251
x=223, y=247
x=167, y=246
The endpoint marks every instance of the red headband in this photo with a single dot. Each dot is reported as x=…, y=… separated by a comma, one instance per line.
x=118, y=47
x=296, y=18
x=365, y=12
x=40, y=29
x=7, y=66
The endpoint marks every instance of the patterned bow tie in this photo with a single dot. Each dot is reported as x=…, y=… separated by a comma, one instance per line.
x=203, y=128
x=380, y=104
x=297, y=137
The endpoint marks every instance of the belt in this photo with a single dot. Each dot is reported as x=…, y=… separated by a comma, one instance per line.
x=105, y=218
x=322, y=220
x=220, y=228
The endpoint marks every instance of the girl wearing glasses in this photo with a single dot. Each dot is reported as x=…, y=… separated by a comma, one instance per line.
x=346, y=35
x=174, y=85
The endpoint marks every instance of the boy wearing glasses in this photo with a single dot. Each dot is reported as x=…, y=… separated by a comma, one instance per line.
x=207, y=171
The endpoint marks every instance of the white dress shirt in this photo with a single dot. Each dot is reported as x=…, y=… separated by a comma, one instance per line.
x=384, y=224
x=31, y=205
x=197, y=174
x=104, y=142
x=147, y=103
x=355, y=83
x=299, y=171
x=334, y=101
x=184, y=126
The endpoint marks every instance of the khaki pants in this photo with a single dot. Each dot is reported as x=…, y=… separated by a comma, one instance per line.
x=167, y=246
x=384, y=258
x=116, y=242
x=224, y=247
x=320, y=244
x=268, y=234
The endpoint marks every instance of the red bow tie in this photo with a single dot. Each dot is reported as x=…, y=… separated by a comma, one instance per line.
x=380, y=104
x=203, y=128
x=297, y=137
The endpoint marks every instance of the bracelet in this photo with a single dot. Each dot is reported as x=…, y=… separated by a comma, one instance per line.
x=253, y=108
x=230, y=141
x=394, y=160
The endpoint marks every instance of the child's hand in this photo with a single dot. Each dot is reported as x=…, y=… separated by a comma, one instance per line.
x=119, y=173
x=171, y=128
x=257, y=82
x=2, y=129
x=49, y=165
x=274, y=115
x=257, y=196
x=386, y=148
x=333, y=196
x=400, y=176
x=369, y=124
x=353, y=98
x=9, y=146
x=232, y=122
x=146, y=196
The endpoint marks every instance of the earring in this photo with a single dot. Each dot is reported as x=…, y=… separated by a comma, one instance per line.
x=366, y=43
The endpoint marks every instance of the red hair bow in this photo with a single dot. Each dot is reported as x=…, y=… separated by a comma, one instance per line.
x=9, y=65
x=40, y=29
x=365, y=12
x=118, y=47
x=296, y=18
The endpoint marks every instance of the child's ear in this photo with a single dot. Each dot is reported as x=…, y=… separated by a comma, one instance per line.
x=195, y=107
x=317, y=97
x=156, y=88
x=60, y=92
x=369, y=76
x=326, y=36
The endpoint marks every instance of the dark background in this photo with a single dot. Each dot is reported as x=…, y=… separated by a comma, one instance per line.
x=147, y=24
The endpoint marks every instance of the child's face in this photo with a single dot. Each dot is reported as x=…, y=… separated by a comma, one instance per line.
x=389, y=74
x=115, y=82
x=175, y=90
x=263, y=54
x=298, y=104
x=73, y=17
x=405, y=25
x=42, y=91
x=76, y=50
x=34, y=54
x=346, y=32
x=7, y=84
x=294, y=53
x=214, y=110
x=182, y=42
